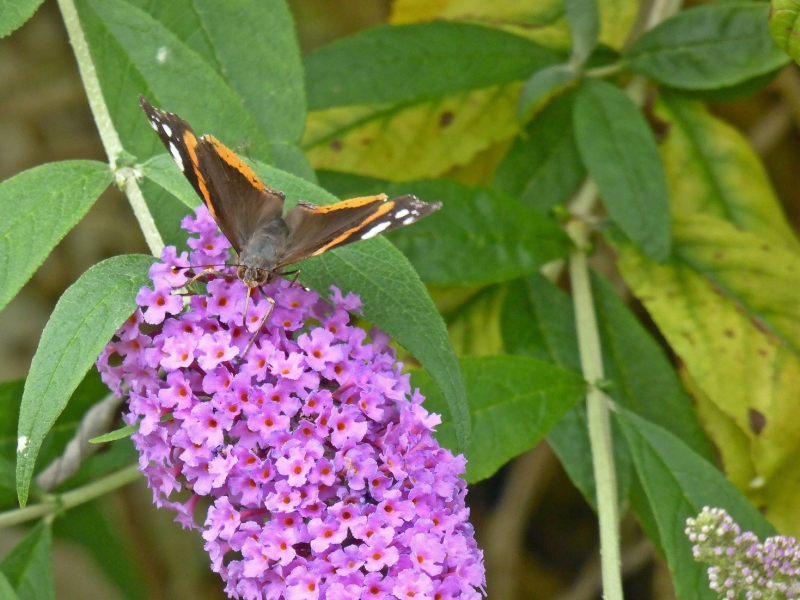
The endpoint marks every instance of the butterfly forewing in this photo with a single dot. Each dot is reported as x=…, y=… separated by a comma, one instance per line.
x=233, y=194
x=316, y=229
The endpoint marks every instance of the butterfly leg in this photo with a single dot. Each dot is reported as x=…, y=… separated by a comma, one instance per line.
x=260, y=325
x=296, y=274
x=203, y=273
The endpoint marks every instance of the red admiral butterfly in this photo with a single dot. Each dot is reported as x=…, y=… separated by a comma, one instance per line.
x=250, y=214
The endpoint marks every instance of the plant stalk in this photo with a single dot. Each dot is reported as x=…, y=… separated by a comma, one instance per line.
x=597, y=407
x=125, y=177
x=81, y=495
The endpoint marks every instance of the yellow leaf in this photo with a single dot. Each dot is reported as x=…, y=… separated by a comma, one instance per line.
x=712, y=169
x=542, y=21
x=762, y=276
x=731, y=442
x=416, y=11
x=412, y=141
x=749, y=374
x=779, y=497
x=475, y=331
x=480, y=170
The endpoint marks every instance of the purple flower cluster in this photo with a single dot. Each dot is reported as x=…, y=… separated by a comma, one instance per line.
x=740, y=563
x=317, y=460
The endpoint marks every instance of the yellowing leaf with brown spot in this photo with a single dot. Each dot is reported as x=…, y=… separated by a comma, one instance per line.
x=542, y=21
x=712, y=169
x=728, y=303
x=741, y=367
x=761, y=275
x=412, y=141
x=732, y=442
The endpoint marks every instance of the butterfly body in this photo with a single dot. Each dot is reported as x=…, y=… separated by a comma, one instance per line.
x=250, y=213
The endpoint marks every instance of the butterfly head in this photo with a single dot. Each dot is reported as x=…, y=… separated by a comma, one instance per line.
x=254, y=276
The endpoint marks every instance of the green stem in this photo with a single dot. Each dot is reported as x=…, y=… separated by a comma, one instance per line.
x=125, y=177
x=81, y=495
x=605, y=71
x=597, y=406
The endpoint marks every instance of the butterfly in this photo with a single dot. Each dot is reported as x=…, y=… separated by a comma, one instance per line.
x=250, y=213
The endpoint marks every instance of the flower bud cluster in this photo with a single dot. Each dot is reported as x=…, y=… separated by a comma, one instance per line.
x=313, y=456
x=742, y=564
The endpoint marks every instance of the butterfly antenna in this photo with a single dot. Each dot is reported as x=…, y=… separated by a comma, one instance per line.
x=207, y=270
x=260, y=325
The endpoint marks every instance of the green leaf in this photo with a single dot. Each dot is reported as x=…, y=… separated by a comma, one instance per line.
x=584, y=28
x=783, y=22
x=621, y=155
x=543, y=85
x=266, y=72
x=538, y=321
x=542, y=21
x=347, y=185
x=90, y=391
x=40, y=206
x=13, y=13
x=394, y=298
x=162, y=170
x=6, y=590
x=28, y=566
x=133, y=50
x=678, y=484
x=85, y=318
x=408, y=62
x=708, y=47
x=543, y=168
x=729, y=93
x=479, y=236
x=644, y=378
x=514, y=401
x=117, y=434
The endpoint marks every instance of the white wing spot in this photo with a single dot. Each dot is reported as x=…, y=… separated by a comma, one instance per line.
x=376, y=230
x=401, y=213
x=408, y=221
x=167, y=129
x=161, y=55
x=415, y=213
x=176, y=155
x=22, y=443
x=153, y=123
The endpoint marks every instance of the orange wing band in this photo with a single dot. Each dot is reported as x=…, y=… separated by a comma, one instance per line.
x=351, y=203
x=190, y=141
x=382, y=210
x=234, y=161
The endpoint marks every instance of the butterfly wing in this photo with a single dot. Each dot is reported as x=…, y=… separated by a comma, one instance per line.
x=234, y=195
x=315, y=229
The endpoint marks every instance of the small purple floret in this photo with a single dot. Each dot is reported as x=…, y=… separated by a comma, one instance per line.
x=323, y=478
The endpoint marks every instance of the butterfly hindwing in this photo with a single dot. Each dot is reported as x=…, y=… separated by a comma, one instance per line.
x=316, y=229
x=232, y=192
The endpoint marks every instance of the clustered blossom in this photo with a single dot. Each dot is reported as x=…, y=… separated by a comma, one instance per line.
x=740, y=563
x=314, y=457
